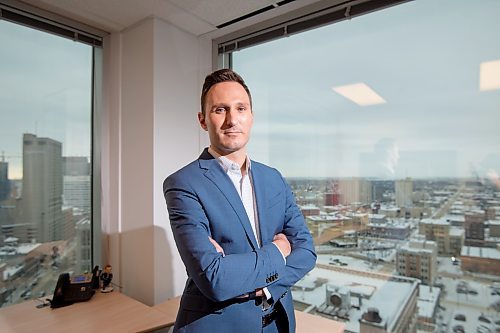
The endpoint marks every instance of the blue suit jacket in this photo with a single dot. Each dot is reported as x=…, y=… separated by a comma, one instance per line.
x=203, y=202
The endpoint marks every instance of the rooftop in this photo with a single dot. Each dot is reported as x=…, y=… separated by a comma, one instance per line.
x=388, y=294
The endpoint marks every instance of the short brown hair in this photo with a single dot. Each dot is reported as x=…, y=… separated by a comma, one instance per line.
x=221, y=75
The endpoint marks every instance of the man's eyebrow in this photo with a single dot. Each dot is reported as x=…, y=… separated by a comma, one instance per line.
x=243, y=103
x=227, y=105
x=219, y=105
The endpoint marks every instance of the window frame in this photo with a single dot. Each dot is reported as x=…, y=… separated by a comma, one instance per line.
x=29, y=16
x=310, y=17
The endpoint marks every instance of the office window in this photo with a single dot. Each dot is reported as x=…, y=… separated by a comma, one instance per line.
x=46, y=99
x=386, y=126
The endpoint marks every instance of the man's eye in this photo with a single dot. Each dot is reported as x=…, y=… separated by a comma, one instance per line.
x=220, y=110
x=242, y=109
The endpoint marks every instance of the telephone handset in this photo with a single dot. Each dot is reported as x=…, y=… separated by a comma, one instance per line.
x=75, y=289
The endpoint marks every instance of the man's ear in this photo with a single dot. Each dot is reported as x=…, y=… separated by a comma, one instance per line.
x=201, y=120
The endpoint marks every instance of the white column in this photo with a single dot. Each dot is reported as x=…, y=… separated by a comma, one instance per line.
x=152, y=86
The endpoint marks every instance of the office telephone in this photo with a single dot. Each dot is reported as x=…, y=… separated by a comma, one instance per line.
x=73, y=289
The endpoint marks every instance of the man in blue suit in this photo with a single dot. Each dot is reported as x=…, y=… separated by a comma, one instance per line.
x=238, y=230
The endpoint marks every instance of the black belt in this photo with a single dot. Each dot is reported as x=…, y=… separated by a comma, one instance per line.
x=269, y=318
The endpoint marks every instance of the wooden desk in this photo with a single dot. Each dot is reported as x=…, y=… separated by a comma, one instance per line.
x=169, y=308
x=306, y=322
x=111, y=312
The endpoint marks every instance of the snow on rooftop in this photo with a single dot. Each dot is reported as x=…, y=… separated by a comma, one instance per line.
x=27, y=248
x=457, y=218
x=416, y=250
x=480, y=252
x=456, y=232
x=388, y=294
x=309, y=206
x=10, y=271
x=328, y=218
x=435, y=221
x=427, y=301
x=391, y=224
x=376, y=216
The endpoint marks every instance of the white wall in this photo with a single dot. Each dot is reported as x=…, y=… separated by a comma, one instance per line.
x=176, y=96
x=152, y=85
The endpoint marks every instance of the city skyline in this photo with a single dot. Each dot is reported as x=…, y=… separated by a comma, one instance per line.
x=434, y=102
x=18, y=174
x=426, y=64
x=45, y=89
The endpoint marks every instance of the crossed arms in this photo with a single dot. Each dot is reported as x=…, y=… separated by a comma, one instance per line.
x=218, y=256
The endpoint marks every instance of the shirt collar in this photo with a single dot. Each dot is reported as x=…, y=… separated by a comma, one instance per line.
x=227, y=164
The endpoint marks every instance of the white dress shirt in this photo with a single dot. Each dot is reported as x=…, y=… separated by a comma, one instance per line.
x=243, y=184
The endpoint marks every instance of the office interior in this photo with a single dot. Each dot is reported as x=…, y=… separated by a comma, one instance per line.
x=154, y=57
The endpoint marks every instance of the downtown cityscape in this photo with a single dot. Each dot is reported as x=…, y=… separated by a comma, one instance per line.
x=402, y=197
x=403, y=255
x=44, y=220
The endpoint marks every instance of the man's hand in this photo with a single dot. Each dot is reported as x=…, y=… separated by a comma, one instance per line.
x=258, y=293
x=283, y=244
x=217, y=246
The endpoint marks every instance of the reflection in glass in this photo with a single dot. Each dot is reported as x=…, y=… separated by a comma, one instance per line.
x=45, y=131
x=401, y=197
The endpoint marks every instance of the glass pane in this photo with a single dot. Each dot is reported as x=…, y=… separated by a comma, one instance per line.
x=387, y=128
x=45, y=150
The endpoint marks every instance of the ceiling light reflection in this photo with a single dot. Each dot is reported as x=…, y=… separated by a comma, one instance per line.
x=360, y=93
x=489, y=75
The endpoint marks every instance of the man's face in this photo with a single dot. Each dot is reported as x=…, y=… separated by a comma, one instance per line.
x=228, y=117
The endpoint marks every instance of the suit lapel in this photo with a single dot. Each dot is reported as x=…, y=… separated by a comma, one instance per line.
x=259, y=187
x=218, y=177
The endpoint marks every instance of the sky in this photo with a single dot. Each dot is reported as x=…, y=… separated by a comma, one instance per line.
x=422, y=57
x=45, y=89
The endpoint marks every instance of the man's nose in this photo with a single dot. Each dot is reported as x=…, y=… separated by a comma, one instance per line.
x=231, y=117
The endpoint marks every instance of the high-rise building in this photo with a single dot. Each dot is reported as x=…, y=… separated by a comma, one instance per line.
x=83, y=245
x=42, y=186
x=6, y=208
x=449, y=239
x=404, y=192
x=76, y=183
x=76, y=166
x=332, y=199
x=76, y=192
x=474, y=227
x=354, y=190
x=24, y=232
x=4, y=180
x=418, y=260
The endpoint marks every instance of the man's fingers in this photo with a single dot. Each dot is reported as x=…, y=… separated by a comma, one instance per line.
x=279, y=236
x=218, y=248
x=283, y=244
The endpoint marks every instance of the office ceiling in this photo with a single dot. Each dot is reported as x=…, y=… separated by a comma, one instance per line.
x=195, y=16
